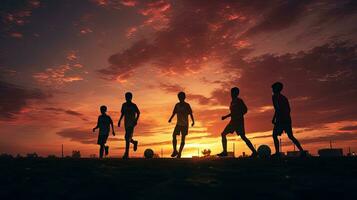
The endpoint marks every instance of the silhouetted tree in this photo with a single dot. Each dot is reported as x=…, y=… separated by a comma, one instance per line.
x=5, y=156
x=32, y=155
x=52, y=156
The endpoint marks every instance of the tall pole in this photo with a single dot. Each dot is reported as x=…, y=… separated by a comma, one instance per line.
x=162, y=153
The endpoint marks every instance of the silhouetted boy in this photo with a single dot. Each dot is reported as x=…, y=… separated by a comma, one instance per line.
x=238, y=110
x=130, y=111
x=104, y=123
x=182, y=109
x=282, y=119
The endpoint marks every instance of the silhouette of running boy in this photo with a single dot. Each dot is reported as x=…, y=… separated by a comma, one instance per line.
x=104, y=122
x=182, y=110
x=131, y=114
x=282, y=118
x=238, y=110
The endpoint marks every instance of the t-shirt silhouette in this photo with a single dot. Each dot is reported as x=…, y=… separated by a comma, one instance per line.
x=182, y=109
x=282, y=109
x=104, y=122
x=238, y=109
x=129, y=110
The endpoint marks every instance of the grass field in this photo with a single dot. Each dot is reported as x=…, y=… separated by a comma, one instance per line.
x=178, y=179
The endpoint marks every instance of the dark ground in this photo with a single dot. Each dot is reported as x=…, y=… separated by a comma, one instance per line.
x=178, y=179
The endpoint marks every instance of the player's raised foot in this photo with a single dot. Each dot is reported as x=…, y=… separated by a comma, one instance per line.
x=223, y=154
x=135, y=145
x=254, y=155
x=174, y=154
x=106, y=149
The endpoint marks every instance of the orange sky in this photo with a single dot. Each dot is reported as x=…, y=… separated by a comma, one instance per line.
x=57, y=70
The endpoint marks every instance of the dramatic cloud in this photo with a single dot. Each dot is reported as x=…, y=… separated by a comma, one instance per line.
x=15, y=14
x=16, y=99
x=58, y=76
x=282, y=15
x=68, y=112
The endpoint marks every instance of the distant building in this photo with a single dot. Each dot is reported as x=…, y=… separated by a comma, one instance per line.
x=330, y=152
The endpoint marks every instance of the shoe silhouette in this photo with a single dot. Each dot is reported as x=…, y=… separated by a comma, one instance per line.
x=174, y=154
x=222, y=154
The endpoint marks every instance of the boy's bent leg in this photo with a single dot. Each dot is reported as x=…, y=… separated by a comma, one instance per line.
x=184, y=132
x=101, y=150
x=174, y=146
x=130, y=132
x=174, y=141
x=226, y=131
x=289, y=132
x=276, y=132
x=248, y=142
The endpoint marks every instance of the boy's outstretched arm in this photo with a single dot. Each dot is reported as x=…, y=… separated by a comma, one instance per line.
x=121, y=117
x=226, y=116
x=112, y=125
x=193, y=120
x=96, y=126
x=172, y=116
x=137, y=115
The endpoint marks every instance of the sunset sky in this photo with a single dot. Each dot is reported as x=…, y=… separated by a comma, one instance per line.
x=61, y=60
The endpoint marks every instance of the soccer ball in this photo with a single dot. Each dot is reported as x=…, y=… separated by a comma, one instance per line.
x=264, y=151
x=148, y=153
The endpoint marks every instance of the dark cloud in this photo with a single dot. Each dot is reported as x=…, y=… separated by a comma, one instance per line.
x=15, y=14
x=15, y=99
x=69, y=112
x=192, y=37
x=84, y=136
x=282, y=15
x=349, y=128
x=171, y=88
x=343, y=136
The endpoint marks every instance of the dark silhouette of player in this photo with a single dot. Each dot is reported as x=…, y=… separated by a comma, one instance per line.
x=282, y=119
x=104, y=122
x=182, y=110
x=131, y=114
x=238, y=110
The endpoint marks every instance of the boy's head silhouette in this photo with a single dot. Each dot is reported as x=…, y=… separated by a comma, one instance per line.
x=181, y=96
x=103, y=109
x=277, y=87
x=128, y=96
x=234, y=92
